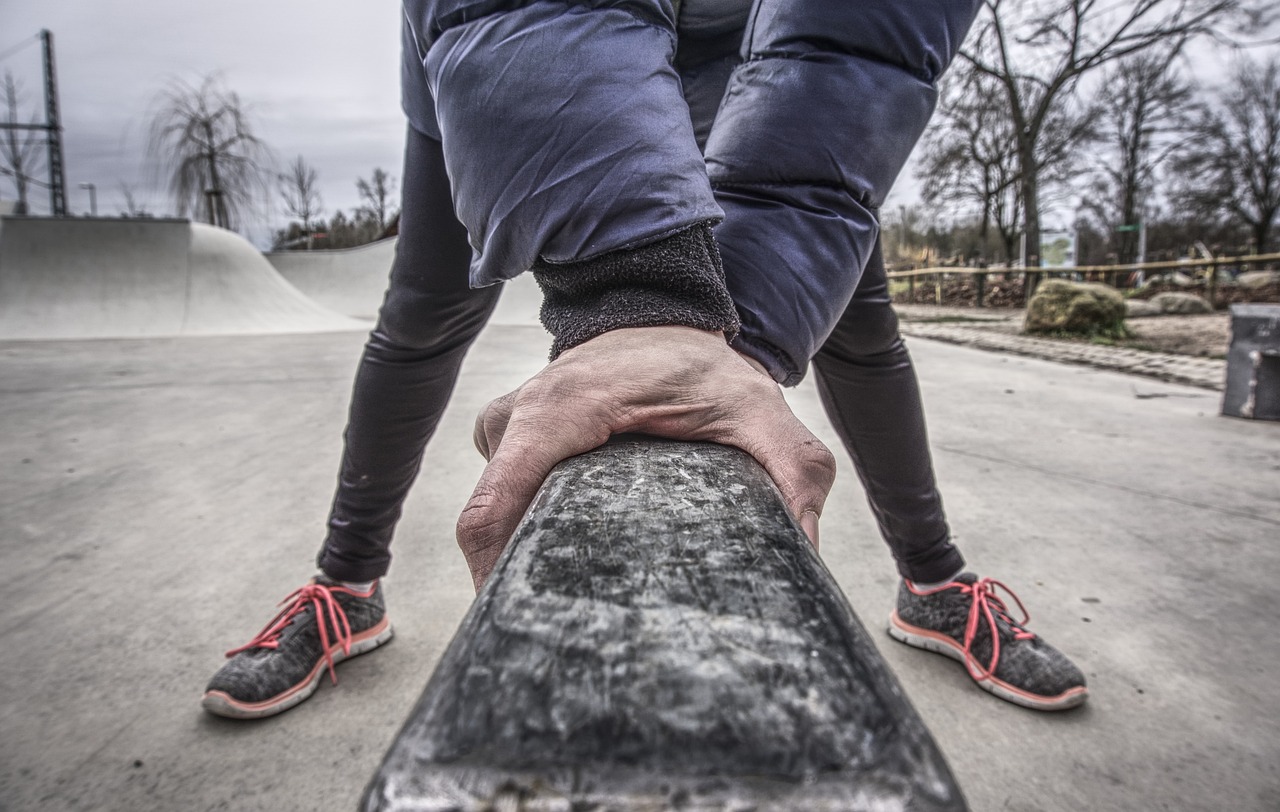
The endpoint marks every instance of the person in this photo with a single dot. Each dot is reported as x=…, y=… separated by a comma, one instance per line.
x=694, y=186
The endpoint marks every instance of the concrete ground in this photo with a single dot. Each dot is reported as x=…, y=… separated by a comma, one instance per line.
x=158, y=496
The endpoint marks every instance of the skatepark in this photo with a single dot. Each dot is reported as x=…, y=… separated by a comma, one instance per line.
x=173, y=404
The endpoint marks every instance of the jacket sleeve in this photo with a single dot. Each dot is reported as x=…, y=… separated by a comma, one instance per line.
x=814, y=127
x=563, y=126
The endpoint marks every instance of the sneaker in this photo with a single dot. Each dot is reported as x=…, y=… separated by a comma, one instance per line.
x=282, y=666
x=966, y=621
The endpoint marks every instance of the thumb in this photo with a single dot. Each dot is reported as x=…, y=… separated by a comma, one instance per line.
x=516, y=470
x=803, y=469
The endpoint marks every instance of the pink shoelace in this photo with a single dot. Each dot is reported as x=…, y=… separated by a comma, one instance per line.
x=985, y=604
x=297, y=602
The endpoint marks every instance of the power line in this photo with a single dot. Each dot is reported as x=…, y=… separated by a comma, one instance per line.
x=13, y=49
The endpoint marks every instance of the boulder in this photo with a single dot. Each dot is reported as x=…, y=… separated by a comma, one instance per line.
x=1140, y=308
x=1258, y=279
x=1086, y=308
x=1180, y=303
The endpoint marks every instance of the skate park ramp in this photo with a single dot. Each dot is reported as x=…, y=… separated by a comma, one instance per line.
x=118, y=278
x=350, y=281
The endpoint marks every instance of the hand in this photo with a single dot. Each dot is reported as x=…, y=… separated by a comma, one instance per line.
x=674, y=382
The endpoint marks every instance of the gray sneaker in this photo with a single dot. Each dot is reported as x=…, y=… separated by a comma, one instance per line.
x=282, y=666
x=966, y=621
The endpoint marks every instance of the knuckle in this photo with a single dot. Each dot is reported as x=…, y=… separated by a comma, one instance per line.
x=479, y=525
x=820, y=463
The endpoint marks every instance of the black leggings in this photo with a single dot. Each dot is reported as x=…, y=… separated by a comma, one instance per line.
x=430, y=318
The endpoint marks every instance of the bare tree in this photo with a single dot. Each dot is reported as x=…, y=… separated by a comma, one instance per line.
x=972, y=158
x=20, y=148
x=214, y=162
x=1039, y=50
x=301, y=195
x=377, y=196
x=1232, y=165
x=1147, y=111
x=132, y=208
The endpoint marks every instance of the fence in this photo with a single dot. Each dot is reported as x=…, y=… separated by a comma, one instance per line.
x=1111, y=274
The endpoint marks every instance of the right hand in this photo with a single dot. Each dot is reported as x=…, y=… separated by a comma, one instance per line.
x=674, y=382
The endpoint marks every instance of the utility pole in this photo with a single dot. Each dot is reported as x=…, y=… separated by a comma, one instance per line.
x=53, y=125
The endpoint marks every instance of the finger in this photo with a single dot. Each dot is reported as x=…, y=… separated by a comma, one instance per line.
x=799, y=464
x=809, y=523
x=491, y=423
x=533, y=443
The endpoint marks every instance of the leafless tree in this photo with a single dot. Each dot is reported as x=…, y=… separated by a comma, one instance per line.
x=1039, y=50
x=377, y=196
x=132, y=208
x=972, y=159
x=202, y=138
x=301, y=195
x=20, y=148
x=1147, y=110
x=1231, y=167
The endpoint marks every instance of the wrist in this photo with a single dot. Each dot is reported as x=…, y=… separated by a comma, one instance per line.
x=676, y=281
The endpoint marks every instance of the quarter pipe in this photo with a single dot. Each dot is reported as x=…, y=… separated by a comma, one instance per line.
x=118, y=278
x=350, y=281
x=353, y=281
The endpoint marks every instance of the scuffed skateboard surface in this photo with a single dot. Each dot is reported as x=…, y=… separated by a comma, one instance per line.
x=659, y=635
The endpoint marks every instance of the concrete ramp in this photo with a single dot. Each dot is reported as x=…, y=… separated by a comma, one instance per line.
x=350, y=281
x=109, y=278
x=353, y=281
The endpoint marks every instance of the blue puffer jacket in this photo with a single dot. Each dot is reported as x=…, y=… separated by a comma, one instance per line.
x=567, y=135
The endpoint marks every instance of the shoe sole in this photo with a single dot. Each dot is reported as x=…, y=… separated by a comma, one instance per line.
x=220, y=703
x=938, y=643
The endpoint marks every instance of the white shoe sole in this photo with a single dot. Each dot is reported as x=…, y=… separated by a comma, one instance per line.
x=939, y=643
x=220, y=703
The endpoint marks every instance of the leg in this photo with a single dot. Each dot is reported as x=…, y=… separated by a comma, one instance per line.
x=410, y=364
x=868, y=387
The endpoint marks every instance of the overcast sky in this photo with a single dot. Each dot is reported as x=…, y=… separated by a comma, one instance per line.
x=321, y=80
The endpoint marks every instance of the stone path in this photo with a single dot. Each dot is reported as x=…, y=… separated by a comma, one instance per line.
x=1000, y=330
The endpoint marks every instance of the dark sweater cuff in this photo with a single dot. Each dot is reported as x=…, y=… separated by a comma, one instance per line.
x=677, y=280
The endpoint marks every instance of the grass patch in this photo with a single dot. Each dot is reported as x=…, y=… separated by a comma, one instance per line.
x=1109, y=335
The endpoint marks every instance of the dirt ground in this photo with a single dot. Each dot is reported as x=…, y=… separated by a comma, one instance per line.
x=1200, y=335
x=1205, y=335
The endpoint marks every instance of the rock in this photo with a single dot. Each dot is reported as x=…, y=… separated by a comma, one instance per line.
x=1140, y=308
x=1258, y=279
x=1180, y=303
x=1086, y=308
x=1179, y=279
